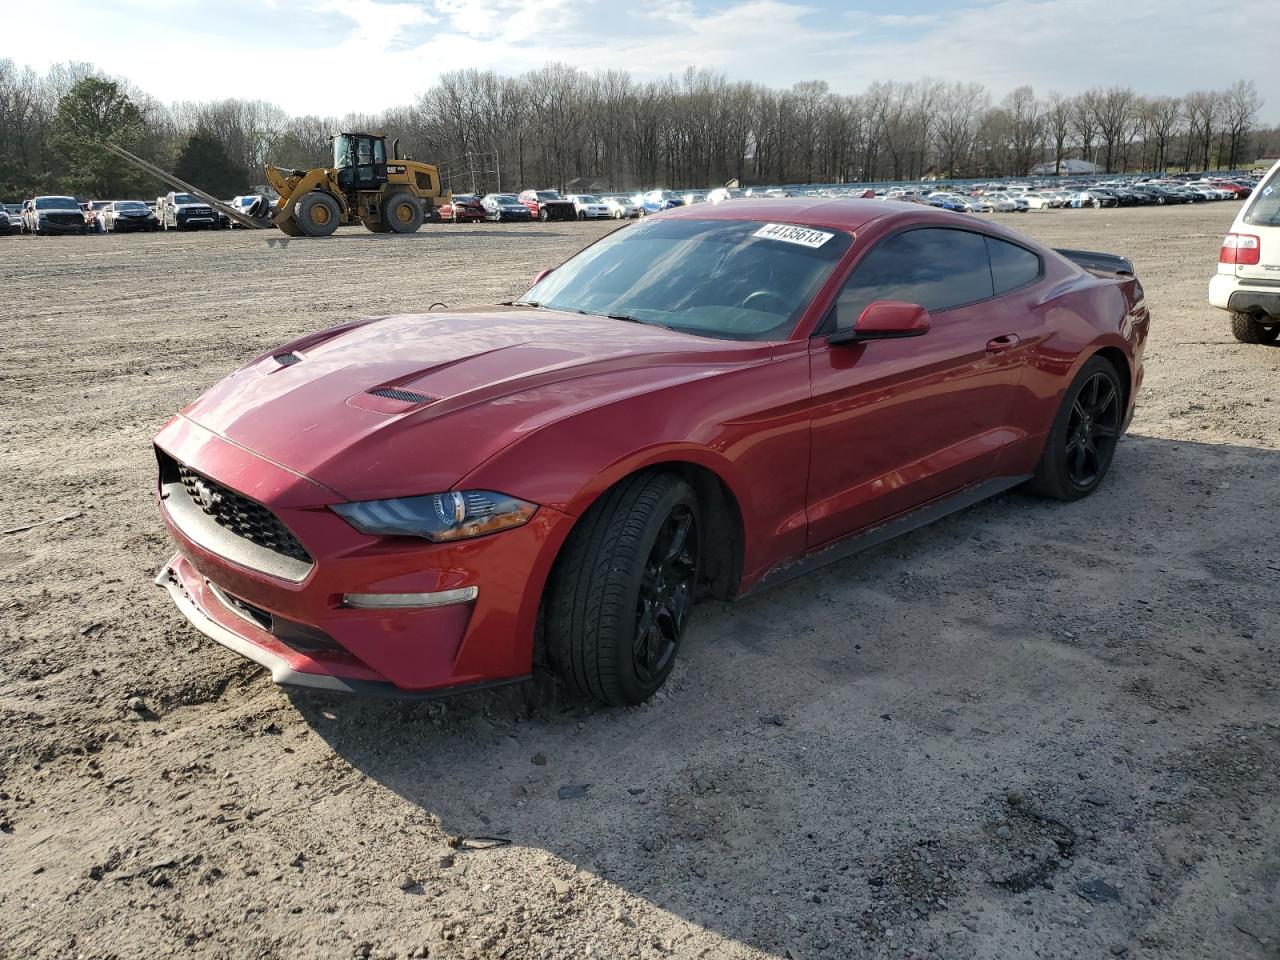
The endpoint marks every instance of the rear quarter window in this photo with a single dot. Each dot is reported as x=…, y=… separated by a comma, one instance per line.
x=1012, y=266
x=1264, y=206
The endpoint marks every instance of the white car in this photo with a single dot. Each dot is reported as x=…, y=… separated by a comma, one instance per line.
x=588, y=207
x=1040, y=201
x=721, y=194
x=621, y=208
x=1248, y=279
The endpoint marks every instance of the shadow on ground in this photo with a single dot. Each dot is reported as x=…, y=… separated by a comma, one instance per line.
x=831, y=764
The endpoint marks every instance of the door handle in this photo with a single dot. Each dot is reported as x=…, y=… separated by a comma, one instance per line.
x=1001, y=344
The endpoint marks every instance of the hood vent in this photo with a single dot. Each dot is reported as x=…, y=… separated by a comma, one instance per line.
x=286, y=359
x=404, y=396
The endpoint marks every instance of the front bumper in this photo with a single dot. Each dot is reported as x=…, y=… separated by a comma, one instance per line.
x=45, y=226
x=295, y=622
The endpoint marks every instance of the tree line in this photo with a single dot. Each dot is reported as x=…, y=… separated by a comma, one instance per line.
x=548, y=126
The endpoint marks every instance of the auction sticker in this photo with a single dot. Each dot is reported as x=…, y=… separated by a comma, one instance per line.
x=789, y=233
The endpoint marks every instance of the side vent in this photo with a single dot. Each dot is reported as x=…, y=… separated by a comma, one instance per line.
x=404, y=396
x=286, y=359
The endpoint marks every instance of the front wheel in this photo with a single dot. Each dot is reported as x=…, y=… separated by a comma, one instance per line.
x=620, y=595
x=317, y=214
x=1082, y=441
x=544, y=215
x=1246, y=328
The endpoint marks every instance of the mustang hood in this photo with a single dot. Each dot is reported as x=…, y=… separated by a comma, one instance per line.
x=410, y=404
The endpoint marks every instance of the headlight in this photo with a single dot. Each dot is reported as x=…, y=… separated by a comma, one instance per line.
x=439, y=517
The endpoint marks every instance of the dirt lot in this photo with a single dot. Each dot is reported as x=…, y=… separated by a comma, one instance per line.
x=1033, y=729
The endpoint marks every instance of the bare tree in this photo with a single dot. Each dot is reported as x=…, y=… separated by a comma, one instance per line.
x=1058, y=122
x=1202, y=111
x=1240, y=107
x=1113, y=113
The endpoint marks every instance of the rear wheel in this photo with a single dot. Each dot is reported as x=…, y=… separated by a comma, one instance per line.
x=622, y=589
x=1246, y=328
x=1083, y=438
x=317, y=214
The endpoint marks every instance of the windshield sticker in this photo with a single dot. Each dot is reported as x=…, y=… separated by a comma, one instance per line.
x=788, y=233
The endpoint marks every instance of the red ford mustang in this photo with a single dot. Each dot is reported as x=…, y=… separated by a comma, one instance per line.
x=703, y=403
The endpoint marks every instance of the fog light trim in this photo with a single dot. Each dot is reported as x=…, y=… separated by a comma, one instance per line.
x=395, y=601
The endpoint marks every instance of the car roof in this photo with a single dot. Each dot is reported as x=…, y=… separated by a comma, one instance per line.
x=844, y=214
x=847, y=214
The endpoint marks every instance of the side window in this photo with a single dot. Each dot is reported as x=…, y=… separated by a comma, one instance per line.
x=936, y=268
x=424, y=182
x=1012, y=266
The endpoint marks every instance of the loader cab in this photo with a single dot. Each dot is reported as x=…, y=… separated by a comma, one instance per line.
x=361, y=161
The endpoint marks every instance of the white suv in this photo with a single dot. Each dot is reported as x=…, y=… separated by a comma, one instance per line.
x=1248, y=279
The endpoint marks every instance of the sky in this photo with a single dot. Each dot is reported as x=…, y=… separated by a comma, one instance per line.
x=330, y=57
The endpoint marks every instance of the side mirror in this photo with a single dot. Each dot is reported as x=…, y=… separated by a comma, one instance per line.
x=885, y=320
x=541, y=274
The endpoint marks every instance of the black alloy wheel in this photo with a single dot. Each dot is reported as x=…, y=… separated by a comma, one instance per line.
x=1083, y=436
x=666, y=595
x=1093, y=429
x=620, y=595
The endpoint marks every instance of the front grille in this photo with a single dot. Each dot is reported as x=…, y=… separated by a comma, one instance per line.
x=405, y=396
x=64, y=218
x=241, y=516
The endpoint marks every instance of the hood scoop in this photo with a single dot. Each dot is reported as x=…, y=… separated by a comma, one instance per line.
x=390, y=400
x=404, y=396
x=286, y=359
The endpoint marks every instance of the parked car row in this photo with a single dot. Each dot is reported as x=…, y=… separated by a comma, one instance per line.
x=182, y=211
x=42, y=216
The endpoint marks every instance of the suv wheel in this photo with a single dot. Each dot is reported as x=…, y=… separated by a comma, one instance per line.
x=1249, y=329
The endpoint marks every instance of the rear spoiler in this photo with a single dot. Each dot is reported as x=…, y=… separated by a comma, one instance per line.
x=1102, y=262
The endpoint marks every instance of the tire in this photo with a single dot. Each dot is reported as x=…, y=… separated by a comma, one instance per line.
x=317, y=214
x=1246, y=328
x=402, y=213
x=1082, y=441
x=1097, y=204
x=609, y=588
x=543, y=215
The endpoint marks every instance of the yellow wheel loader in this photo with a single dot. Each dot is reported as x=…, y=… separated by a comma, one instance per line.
x=387, y=194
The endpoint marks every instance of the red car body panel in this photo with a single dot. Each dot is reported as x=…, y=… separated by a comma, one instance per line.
x=812, y=442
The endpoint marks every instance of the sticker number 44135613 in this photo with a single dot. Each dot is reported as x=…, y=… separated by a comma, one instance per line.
x=789, y=233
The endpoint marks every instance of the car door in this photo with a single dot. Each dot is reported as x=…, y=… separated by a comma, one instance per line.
x=897, y=423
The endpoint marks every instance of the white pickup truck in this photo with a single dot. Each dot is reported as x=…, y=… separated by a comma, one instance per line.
x=182, y=211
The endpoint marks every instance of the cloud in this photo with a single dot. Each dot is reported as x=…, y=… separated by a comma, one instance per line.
x=340, y=56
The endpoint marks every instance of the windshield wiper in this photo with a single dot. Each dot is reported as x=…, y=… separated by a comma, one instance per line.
x=526, y=303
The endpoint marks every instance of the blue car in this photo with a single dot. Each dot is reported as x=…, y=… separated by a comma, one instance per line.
x=947, y=203
x=655, y=201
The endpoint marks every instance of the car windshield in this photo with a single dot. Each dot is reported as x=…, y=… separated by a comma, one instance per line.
x=56, y=203
x=548, y=195
x=587, y=198
x=184, y=198
x=730, y=279
x=1264, y=209
x=506, y=198
x=131, y=205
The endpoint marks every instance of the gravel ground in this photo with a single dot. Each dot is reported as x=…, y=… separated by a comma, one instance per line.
x=1033, y=729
